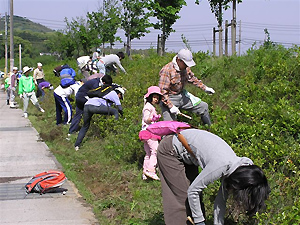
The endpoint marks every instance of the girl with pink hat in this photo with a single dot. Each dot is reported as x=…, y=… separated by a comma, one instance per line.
x=153, y=97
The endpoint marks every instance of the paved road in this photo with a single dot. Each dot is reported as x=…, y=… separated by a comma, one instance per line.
x=21, y=157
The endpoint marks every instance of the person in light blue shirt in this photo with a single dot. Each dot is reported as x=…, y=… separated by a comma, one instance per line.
x=104, y=106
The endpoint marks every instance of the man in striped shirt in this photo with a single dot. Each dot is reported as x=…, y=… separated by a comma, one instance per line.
x=173, y=77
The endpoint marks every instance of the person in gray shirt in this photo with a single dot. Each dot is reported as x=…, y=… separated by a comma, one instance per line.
x=182, y=184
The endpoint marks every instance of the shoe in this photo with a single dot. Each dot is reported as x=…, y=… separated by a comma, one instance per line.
x=144, y=177
x=151, y=175
x=69, y=137
x=42, y=110
x=7, y=102
x=76, y=148
x=25, y=115
x=12, y=105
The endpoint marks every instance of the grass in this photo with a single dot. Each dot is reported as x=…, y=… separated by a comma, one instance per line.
x=255, y=109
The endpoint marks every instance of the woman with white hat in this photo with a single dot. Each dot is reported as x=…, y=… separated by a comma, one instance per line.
x=26, y=90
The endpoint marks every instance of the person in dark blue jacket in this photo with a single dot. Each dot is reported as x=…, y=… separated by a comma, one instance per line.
x=81, y=99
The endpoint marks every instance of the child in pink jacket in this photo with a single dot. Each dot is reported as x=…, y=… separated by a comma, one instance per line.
x=150, y=140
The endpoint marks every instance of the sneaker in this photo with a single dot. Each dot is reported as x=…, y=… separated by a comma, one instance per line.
x=69, y=137
x=42, y=110
x=12, y=105
x=25, y=115
x=151, y=175
x=76, y=148
x=144, y=177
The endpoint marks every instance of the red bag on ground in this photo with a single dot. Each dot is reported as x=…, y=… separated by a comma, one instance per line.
x=45, y=181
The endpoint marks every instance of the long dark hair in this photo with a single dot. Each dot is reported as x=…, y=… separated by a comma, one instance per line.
x=150, y=98
x=249, y=187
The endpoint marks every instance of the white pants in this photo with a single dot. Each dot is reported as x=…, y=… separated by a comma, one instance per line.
x=33, y=99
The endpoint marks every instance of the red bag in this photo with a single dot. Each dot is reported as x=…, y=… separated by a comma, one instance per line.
x=45, y=181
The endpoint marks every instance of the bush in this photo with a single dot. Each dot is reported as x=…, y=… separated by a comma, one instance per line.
x=255, y=109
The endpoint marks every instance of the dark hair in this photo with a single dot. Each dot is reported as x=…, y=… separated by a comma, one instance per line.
x=249, y=187
x=107, y=79
x=150, y=97
x=121, y=55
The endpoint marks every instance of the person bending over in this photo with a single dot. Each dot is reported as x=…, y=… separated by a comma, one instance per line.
x=182, y=184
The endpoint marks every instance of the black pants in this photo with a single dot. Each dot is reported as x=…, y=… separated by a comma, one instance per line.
x=88, y=112
x=80, y=101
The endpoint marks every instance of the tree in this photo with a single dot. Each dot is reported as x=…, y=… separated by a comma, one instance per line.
x=217, y=7
x=105, y=23
x=166, y=12
x=135, y=20
x=79, y=33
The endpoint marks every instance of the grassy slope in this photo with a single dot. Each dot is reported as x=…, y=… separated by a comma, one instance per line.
x=255, y=109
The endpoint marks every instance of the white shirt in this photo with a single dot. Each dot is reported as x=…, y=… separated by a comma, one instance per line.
x=111, y=60
x=66, y=92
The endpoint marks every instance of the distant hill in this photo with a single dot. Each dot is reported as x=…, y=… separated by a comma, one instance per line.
x=24, y=24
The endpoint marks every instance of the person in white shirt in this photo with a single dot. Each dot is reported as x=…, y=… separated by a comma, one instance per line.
x=63, y=103
x=110, y=62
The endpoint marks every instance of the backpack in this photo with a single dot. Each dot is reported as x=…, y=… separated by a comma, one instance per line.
x=162, y=128
x=45, y=181
x=100, y=91
x=67, y=76
x=57, y=69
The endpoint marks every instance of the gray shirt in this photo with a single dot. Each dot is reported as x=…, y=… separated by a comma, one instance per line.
x=217, y=160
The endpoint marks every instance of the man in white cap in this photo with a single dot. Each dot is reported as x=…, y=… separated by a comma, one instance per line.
x=173, y=77
x=38, y=77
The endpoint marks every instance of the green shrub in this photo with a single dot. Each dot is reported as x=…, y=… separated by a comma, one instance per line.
x=255, y=109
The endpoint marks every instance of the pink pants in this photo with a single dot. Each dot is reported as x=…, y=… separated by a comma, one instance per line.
x=150, y=159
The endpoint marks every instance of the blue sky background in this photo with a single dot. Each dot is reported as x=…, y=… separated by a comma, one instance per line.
x=280, y=17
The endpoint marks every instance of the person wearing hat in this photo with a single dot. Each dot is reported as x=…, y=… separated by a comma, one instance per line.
x=152, y=98
x=26, y=91
x=38, y=77
x=103, y=105
x=13, y=83
x=173, y=78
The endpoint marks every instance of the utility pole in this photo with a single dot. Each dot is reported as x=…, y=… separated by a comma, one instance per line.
x=226, y=37
x=233, y=28
x=20, y=57
x=240, y=37
x=5, y=69
x=11, y=17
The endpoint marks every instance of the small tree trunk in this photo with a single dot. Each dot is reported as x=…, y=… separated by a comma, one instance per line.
x=128, y=45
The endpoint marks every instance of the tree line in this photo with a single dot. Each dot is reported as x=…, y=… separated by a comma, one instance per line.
x=134, y=17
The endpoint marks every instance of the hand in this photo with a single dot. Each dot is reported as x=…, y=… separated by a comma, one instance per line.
x=155, y=118
x=21, y=95
x=209, y=90
x=174, y=110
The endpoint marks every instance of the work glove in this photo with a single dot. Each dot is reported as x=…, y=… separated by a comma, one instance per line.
x=174, y=110
x=209, y=90
x=21, y=95
x=155, y=118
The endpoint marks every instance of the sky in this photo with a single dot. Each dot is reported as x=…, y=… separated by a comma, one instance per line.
x=280, y=17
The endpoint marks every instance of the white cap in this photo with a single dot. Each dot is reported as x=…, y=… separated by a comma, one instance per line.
x=15, y=68
x=39, y=64
x=26, y=69
x=186, y=56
